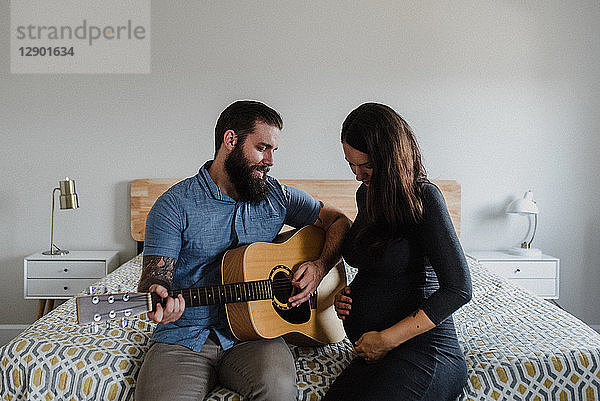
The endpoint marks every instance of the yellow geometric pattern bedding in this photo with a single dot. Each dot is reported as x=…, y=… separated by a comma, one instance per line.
x=522, y=347
x=517, y=346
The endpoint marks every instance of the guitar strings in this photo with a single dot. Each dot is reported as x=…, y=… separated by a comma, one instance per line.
x=256, y=290
x=276, y=285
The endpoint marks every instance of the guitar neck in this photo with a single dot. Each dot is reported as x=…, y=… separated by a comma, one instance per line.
x=222, y=294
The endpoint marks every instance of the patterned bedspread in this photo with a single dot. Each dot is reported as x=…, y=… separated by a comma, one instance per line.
x=517, y=346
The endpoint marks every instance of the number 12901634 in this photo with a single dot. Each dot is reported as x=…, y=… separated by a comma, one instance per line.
x=46, y=51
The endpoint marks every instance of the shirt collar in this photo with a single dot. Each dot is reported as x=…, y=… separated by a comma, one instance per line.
x=206, y=181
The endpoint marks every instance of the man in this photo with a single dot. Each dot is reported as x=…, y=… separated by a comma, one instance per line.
x=230, y=202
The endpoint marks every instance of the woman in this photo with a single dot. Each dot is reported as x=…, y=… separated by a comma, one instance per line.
x=412, y=273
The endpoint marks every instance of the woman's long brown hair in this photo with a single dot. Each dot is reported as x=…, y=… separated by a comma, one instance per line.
x=393, y=198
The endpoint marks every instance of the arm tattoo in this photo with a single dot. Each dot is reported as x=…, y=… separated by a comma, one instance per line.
x=157, y=270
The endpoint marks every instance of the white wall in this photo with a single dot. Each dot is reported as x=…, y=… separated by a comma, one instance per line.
x=504, y=96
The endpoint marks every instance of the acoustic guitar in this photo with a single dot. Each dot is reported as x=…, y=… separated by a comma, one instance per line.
x=256, y=286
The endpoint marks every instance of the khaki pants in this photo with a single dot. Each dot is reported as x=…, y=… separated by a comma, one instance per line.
x=258, y=370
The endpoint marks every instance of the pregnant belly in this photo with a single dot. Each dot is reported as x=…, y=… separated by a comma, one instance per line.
x=375, y=308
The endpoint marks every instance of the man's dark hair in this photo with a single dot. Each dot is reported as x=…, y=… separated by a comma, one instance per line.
x=241, y=117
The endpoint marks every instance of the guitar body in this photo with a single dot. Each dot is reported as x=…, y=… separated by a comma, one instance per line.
x=313, y=322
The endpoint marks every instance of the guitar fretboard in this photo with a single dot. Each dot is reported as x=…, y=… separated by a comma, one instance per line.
x=225, y=293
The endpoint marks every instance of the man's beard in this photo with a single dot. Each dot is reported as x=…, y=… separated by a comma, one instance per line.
x=239, y=169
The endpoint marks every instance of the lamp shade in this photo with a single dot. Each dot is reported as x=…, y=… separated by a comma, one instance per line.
x=68, y=195
x=526, y=205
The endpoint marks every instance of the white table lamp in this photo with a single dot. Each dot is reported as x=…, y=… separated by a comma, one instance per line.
x=525, y=207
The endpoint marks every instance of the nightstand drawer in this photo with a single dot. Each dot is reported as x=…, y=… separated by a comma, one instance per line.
x=540, y=275
x=52, y=287
x=523, y=269
x=545, y=287
x=65, y=269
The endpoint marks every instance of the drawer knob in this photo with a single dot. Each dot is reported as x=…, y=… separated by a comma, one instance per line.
x=65, y=270
x=66, y=288
x=517, y=270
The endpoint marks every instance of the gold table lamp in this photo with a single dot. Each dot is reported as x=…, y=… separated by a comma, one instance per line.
x=68, y=200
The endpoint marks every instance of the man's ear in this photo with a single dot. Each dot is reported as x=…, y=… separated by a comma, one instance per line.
x=230, y=139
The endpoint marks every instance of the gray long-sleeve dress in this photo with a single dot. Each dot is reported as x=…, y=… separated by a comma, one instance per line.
x=425, y=269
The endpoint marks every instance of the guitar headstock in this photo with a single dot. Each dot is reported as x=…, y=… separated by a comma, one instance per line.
x=103, y=307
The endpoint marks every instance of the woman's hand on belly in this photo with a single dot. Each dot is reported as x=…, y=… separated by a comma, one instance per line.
x=343, y=303
x=373, y=345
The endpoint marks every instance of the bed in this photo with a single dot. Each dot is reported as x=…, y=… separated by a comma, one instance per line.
x=517, y=346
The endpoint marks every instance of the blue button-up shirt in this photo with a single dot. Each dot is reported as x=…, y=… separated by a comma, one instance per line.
x=195, y=223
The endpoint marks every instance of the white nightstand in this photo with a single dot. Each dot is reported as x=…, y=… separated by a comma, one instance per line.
x=539, y=275
x=50, y=277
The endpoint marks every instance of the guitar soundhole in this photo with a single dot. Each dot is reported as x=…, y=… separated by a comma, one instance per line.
x=281, y=283
x=282, y=287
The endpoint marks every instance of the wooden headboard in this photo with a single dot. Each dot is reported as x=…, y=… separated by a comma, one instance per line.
x=340, y=193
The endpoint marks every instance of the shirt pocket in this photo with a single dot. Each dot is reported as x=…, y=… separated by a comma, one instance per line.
x=264, y=230
x=263, y=224
x=264, y=212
